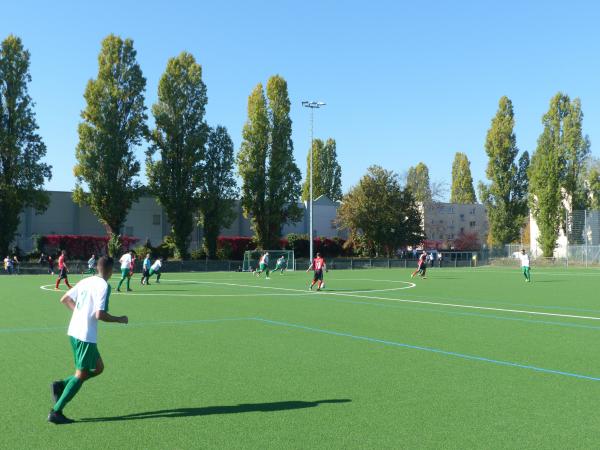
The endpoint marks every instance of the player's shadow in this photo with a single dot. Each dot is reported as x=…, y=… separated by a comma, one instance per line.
x=211, y=410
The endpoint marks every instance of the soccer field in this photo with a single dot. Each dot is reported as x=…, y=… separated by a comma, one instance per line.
x=468, y=358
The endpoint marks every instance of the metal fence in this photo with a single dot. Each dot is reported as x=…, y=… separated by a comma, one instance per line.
x=577, y=244
x=450, y=259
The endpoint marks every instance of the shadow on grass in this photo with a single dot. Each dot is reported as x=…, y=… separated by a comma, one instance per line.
x=211, y=410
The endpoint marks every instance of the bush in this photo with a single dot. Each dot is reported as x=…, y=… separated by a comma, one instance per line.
x=238, y=245
x=198, y=254
x=225, y=250
x=328, y=247
x=80, y=246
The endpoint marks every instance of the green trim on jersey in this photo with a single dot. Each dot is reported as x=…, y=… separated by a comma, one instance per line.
x=108, y=291
x=85, y=354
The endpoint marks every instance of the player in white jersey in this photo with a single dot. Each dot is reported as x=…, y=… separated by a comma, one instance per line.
x=524, y=257
x=155, y=269
x=263, y=266
x=89, y=302
x=125, y=269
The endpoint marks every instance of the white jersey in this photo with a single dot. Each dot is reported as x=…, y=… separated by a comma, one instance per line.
x=264, y=259
x=524, y=260
x=90, y=295
x=125, y=261
x=157, y=265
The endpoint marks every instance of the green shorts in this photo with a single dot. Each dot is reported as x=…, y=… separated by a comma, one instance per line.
x=86, y=354
x=124, y=273
x=262, y=267
x=152, y=271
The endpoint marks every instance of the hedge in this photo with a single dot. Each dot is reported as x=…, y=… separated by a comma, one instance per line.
x=80, y=246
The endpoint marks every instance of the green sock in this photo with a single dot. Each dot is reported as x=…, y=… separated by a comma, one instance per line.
x=128, y=280
x=120, y=283
x=72, y=386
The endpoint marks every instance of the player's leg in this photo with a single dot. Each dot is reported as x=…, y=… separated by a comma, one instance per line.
x=314, y=280
x=88, y=364
x=124, y=273
x=158, y=274
x=128, y=281
x=320, y=280
x=67, y=280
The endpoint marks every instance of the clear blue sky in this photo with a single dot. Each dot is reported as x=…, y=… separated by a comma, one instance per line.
x=404, y=81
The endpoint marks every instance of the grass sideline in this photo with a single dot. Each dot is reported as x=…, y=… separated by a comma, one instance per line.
x=469, y=358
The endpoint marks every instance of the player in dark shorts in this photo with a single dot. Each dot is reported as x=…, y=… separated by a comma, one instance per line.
x=318, y=265
x=64, y=270
x=421, y=266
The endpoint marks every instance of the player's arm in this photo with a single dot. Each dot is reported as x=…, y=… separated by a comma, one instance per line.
x=68, y=302
x=309, y=267
x=106, y=317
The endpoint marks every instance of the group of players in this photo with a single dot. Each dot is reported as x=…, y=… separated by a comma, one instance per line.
x=127, y=262
x=318, y=266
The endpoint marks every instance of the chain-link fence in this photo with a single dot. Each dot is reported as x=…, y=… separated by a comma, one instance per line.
x=448, y=259
x=578, y=243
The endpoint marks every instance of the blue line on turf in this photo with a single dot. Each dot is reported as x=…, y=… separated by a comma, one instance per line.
x=134, y=325
x=432, y=350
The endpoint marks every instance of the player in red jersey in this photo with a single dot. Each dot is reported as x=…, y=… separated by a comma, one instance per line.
x=64, y=270
x=421, y=266
x=318, y=265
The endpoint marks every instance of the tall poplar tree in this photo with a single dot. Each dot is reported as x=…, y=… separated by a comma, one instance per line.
x=22, y=174
x=505, y=197
x=462, y=190
x=179, y=137
x=114, y=124
x=219, y=189
x=327, y=172
x=252, y=164
x=557, y=169
x=417, y=180
x=270, y=176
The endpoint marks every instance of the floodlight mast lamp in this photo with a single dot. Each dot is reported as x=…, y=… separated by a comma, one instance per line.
x=312, y=105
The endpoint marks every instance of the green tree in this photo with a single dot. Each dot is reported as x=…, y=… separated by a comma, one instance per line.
x=462, y=190
x=327, y=178
x=114, y=124
x=22, y=174
x=270, y=177
x=179, y=137
x=576, y=148
x=417, y=180
x=557, y=168
x=592, y=182
x=379, y=214
x=219, y=188
x=505, y=197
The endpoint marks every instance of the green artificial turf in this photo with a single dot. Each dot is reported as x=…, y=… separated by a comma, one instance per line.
x=227, y=360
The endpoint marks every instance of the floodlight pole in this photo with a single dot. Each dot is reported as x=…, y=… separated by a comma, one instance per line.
x=312, y=105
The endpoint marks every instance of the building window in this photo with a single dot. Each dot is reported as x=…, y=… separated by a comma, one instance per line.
x=472, y=223
x=128, y=231
x=156, y=219
x=462, y=230
x=472, y=210
x=462, y=217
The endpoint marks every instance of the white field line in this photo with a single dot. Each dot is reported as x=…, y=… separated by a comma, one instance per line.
x=398, y=300
x=423, y=302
